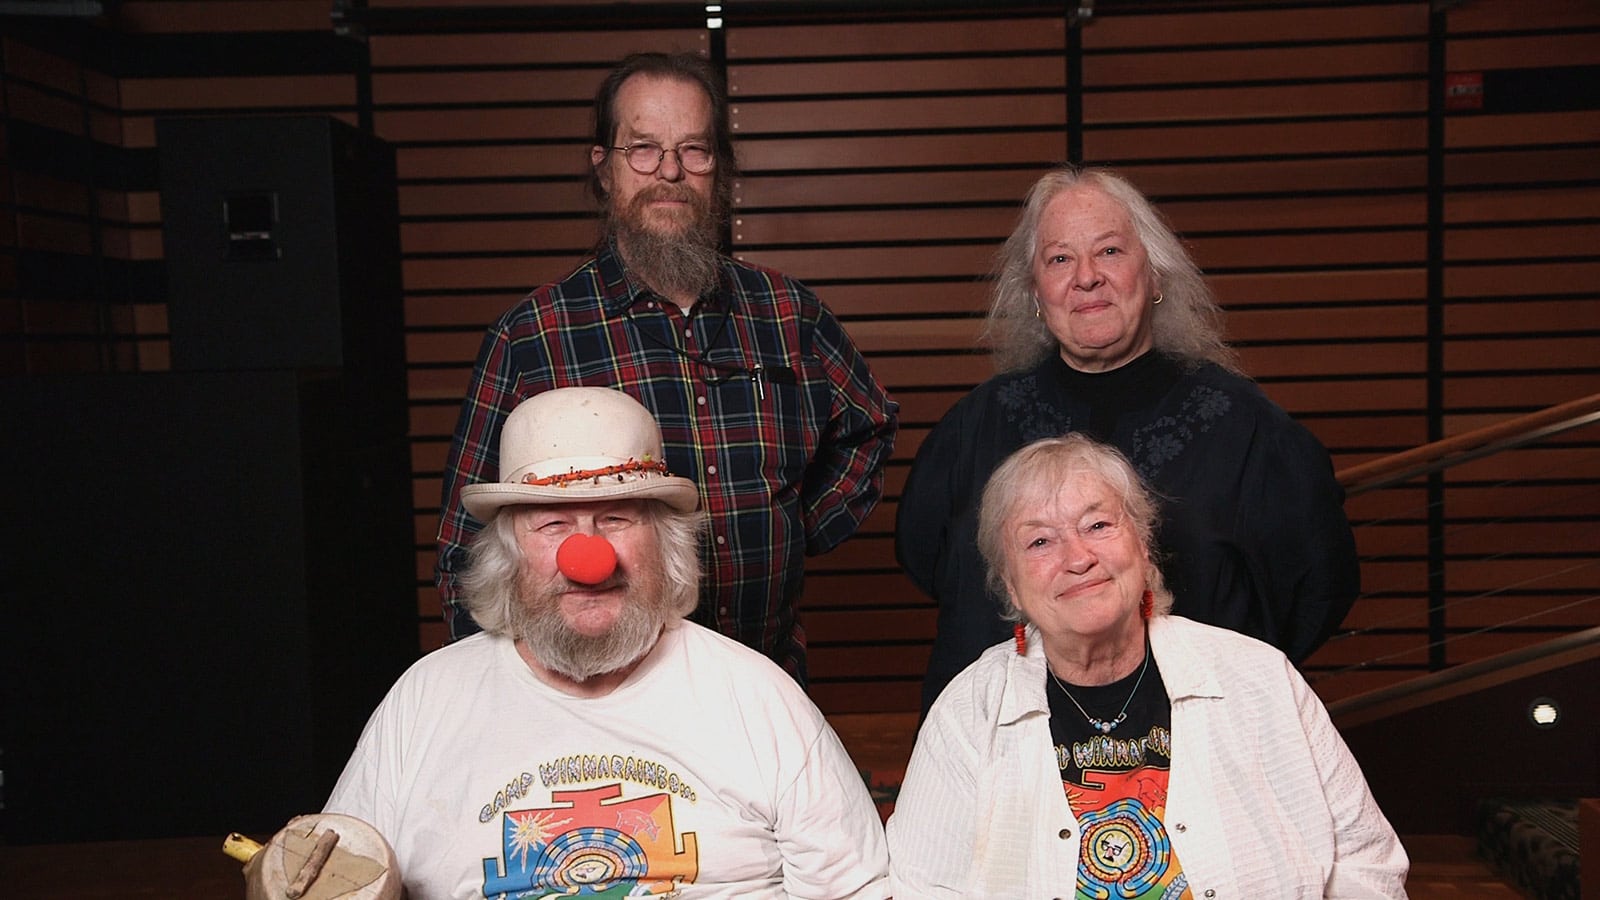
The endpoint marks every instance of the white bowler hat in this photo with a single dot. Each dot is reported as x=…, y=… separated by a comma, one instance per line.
x=574, y=444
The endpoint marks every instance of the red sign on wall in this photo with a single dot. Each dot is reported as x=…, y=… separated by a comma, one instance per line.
x=1463, y=90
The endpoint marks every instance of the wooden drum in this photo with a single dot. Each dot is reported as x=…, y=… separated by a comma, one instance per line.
x=319, y=857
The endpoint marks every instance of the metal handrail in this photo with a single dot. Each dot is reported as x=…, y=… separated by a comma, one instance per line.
x=1516, y=432
x=1466, y=678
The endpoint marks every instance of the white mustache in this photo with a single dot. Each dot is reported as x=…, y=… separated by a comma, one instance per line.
x=568, y=586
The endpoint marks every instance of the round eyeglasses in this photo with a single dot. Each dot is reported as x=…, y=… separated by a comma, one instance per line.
x=645, y=157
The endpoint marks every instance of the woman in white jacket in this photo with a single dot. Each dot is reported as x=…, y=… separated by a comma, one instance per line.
x=1114, y=750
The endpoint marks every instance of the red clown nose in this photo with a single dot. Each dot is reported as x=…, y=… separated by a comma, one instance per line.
x=586, y=559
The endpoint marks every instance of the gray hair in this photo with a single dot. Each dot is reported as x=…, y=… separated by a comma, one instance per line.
x=489, y=584
x=1186, y=324
x=1033, y=475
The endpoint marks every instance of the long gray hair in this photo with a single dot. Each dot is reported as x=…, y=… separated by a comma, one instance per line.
x=1186, y=324
x=1033, y=475
x=489, y=585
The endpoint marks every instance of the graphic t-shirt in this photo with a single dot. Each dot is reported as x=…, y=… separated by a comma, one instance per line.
x=1116, y=784
x=706, y=774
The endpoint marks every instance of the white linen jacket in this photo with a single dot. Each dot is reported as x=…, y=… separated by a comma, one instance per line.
x=1264, y=799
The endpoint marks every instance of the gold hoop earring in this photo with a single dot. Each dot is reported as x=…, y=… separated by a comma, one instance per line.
x=1036, y=308
x=1157, y=300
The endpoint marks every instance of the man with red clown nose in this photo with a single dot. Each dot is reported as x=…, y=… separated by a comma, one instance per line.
x=591, y=740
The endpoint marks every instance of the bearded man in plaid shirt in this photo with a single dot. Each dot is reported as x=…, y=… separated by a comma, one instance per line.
x=761, y=396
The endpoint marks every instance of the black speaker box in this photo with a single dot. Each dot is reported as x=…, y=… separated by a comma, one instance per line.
x=282, y=244
x=210, y=584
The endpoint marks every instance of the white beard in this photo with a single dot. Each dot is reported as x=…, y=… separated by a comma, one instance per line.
x=536, y=620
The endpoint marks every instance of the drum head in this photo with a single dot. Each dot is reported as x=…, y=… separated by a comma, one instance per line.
x=361, y=865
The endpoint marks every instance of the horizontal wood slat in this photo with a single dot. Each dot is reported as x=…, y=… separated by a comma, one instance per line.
x=28, y=104
x=1552, y=14
x=1513, y=52
x=1408, y=95
x=746, y=80
x=1533, y=391
x=1410, y=613
x=498, y=124
x=470, y=88
x=1529, y=205
x=1511, y=129
x=758, y=117
x=593, y=49
x=181, y=16
x=1522, y=279
x=838, y=694
x=896, y=39
x=1307, y=176
x=1257, y=26
x=1512, y=166
x=1233, y=63
x=755, y=229
x=1038, y=149
x=1001, y=186
x=1195, y=217
x=299, y=92
x=1494, y=354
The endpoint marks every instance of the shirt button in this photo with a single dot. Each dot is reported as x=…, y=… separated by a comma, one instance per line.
x=721, y=539
x=688, y=332
x=722, y=610
x=1064, y=833
x=711, y=470
x=1180, y=827
x=700, y=401
x=1210, y=892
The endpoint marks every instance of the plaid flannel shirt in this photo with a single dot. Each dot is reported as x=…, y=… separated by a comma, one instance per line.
x=763, y=402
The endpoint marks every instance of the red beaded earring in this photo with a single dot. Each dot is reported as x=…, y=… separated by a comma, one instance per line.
x=1020, y=631
x=1147, y=605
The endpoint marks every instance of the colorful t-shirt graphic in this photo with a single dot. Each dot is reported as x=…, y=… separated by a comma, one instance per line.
x=1116, y=784
x=489, y=783
x=592, y=843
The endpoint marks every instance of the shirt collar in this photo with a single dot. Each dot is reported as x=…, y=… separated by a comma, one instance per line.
x=1183, y=671
x=1024, y=687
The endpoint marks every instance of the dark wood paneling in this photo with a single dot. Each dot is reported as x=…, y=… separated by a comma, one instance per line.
x=995, y=73
x=590, y=49
x=1345, y=22
x=1012, y=36
x=178, y=16
x=307, y=93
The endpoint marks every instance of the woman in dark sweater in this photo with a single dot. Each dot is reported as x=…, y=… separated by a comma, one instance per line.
x=1102, y=324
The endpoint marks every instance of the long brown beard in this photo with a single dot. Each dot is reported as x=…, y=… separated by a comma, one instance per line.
x=536, y=620
x=680, y=261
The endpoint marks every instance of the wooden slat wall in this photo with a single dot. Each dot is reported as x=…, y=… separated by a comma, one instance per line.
x=1519, y=330
x=884, y=162
x=1522, y=330
x=1298, y=176
x=52, y=110
x=1292, y=157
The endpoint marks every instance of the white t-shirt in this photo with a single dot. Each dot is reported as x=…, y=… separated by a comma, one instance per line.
x=708, y=773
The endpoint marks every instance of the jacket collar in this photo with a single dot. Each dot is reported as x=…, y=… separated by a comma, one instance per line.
x=1185, y=672
x=1024, y=686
